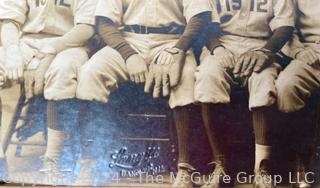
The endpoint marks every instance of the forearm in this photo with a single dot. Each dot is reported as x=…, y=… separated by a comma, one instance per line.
x=279, y=38
x=213, y=33
x=77, y=36
x=10, y=34
x=112, y=36
x=196, y=25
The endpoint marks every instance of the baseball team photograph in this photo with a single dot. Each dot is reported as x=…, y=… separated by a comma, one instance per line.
x=160, y=93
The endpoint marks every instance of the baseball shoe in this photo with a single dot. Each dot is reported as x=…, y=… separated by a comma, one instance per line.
x=215, y=178
x=86, y=174
x=183, y=178
x=300, y=176
x=263, y=177
x=53, y=174
x=3, y=170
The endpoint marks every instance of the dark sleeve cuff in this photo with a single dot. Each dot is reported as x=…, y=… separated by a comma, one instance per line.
x=112, y=36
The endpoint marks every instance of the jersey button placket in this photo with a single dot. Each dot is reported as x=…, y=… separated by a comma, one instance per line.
x=50, y=16
x=244, y=16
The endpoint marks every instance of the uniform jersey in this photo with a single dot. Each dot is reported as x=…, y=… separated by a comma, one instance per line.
x=151, y=13
x=308, y=19
x=54, y=17
x=254, y=18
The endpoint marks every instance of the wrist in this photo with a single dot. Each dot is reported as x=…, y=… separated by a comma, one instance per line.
x=174, y=50
x=217, y=48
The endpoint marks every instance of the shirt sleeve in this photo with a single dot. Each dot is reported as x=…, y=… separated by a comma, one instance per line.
x=112, y=9
x=284, y=14
x=14, y=10
x=194, y=7
x=84, y=11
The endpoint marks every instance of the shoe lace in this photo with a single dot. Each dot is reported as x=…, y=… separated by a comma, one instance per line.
x=181, y=177
x=218, y=172
x=50, y=165
x=265, y=178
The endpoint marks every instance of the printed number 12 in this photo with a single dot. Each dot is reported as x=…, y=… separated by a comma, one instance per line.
x=260, y=5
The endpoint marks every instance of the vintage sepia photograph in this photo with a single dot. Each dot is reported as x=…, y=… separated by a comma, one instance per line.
x=160, y=93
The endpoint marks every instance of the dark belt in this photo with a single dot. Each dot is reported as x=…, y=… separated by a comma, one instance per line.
x=140, y=29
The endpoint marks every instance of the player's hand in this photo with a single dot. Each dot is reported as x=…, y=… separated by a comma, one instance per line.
x=172, y=60
x=3, y=76
x=14, y=64
x=155, y=79
x=34, y=78
x=252, y=61
x=225, y=56
x=137, y=68
x=308, y=56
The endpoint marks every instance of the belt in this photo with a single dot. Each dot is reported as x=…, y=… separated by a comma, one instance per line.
x=251, y=37
x=140, y=29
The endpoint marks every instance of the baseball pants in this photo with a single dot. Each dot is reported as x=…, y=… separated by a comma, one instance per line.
x=107, y=69
x=61, y=76
x=296, y=83
x=214, y=79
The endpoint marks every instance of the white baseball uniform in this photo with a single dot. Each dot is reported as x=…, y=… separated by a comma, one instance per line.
x=45, y=19
x=106, y=69
x=246, y=26
x=298, y=80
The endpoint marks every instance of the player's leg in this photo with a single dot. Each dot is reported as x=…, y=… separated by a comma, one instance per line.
x=212, y=90
x=295, y=85
x=96, y=80
x=261, y=101
x=181, y=101
x=59, y=91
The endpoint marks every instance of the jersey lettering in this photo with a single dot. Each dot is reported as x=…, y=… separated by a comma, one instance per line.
x=234, y=5
x=57, y=3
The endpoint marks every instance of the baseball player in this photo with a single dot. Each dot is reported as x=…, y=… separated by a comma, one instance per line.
x=301, y=77
x=252, y=32
x=155, y=37
x=43, y=45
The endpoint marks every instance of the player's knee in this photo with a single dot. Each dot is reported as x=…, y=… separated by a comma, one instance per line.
x=88, y=71
x=286, y=93
x=212, y=76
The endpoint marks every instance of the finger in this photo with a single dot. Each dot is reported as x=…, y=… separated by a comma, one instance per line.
x=250, y=68
x=259, y=65
x=238, y=66
x=245, y=81
x=231, y=61
x=312, y=57
x=157, y=86
x=132, y=78
x=168, y=59
x=142, y=77
x=307, y=59
x=165, y=85
x=246, y=64
x=160, y=59
x=223, y=62
x=136, y=79
x=149, y=81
